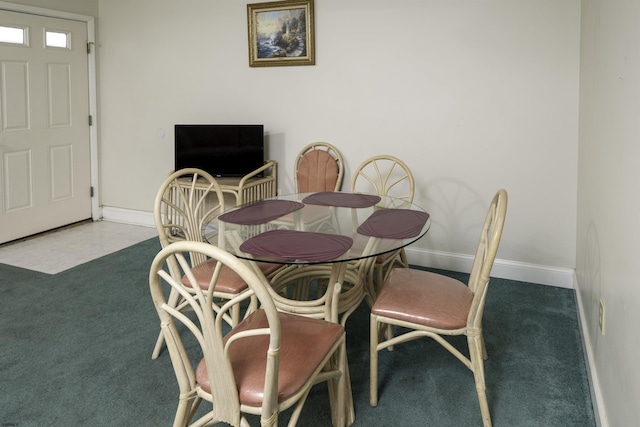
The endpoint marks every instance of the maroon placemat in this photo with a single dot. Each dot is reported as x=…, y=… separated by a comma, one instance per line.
x=261, y=212
x=345, y=200
x=298, y=245
x=394, y=223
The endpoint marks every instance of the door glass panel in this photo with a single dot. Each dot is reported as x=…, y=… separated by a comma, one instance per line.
x=13, y=35
x=56, y=39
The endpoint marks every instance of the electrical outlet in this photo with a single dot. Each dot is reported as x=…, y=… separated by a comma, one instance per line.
x=601, y=316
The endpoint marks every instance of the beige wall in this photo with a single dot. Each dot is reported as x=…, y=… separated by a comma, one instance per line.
x=472, y=95
x=608, y=236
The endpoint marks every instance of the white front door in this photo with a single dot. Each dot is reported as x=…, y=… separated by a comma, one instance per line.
x=45, y=179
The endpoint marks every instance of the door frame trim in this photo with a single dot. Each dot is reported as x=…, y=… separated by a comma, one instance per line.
x=96, y=214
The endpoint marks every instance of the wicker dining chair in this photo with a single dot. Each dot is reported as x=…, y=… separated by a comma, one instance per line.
x=436, y=306
x=264, y=365
x=185, y=203
x=319, y=166
x=384, y=175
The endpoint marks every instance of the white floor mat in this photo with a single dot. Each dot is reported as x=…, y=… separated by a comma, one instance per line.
x=60, y=250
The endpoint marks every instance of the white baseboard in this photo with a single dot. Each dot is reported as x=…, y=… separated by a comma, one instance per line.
x=594, y=383
x=504, y=269
x=128, y=216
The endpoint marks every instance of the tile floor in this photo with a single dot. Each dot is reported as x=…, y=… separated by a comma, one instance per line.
x=62, y=249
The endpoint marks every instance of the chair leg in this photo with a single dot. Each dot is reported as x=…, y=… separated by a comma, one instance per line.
x=338, y=396
x=476, y=352
x=183, y=413
x=158, y=347
x=173, y=302
x=373, y=362
x=349, y=410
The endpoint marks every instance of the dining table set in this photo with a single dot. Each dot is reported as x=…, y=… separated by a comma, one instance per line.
x=320, y=239
x=267, y=288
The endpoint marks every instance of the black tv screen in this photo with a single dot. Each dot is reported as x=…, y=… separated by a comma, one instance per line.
x=221, y=150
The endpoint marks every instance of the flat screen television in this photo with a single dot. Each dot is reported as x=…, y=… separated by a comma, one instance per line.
x=221, y=150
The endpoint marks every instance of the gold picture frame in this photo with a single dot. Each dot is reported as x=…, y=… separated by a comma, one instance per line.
x=281, y=33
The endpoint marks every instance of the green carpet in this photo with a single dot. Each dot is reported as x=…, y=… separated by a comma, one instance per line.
x=75, y=351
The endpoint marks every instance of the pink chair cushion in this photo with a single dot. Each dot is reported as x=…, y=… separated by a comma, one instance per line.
x=229, y=282
x=424, y=298
x=317, y=171
x=304, y=344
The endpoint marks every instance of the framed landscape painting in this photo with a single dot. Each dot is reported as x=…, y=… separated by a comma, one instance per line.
x=281, y=33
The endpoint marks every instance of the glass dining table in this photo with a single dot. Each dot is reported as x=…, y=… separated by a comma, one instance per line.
x=331, y=235
x=320, y=239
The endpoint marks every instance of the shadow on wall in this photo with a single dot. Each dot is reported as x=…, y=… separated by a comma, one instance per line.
x=447, y=200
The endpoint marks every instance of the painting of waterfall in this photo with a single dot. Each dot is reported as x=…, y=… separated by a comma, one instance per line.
x=281, y=33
